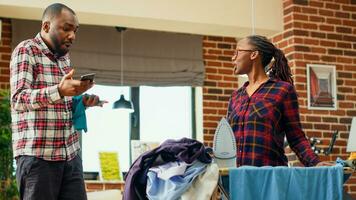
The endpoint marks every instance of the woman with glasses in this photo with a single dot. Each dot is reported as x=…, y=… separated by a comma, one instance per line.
x=265, y=109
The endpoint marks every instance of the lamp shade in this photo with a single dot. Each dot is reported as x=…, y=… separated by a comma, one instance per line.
x=123, y=104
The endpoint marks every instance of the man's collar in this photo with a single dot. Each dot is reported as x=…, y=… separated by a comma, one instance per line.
x=45, y=50
x=43, y=47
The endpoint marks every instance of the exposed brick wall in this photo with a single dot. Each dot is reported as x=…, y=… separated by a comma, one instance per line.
x=219, y=82
x=5, y=53
x=323, y=32
x=315, y=32
x=102, y=185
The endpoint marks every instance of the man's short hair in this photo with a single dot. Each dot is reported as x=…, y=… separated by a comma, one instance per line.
x=54, y=10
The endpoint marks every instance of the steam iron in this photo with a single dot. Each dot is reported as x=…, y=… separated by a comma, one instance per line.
x=224, y=145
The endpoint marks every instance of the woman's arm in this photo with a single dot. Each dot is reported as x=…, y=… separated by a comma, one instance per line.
x=293, y=129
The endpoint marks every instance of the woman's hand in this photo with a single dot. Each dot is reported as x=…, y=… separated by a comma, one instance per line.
x=326, y=163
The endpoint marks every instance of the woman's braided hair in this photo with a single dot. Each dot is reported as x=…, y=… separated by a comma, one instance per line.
x=279, y=68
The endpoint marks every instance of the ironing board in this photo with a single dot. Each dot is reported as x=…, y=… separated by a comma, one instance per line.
x=221, y=193
x=224, y=153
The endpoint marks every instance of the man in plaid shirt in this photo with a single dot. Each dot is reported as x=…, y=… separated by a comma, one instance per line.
x=45, y=143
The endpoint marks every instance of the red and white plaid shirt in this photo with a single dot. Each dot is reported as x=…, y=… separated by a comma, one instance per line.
x=41, y=120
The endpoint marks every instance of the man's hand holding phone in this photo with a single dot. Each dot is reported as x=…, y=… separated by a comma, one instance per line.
x=91, y=100
x=70, y=87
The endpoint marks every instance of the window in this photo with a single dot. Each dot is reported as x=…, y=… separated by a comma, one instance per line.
x=108, y=129
x=164, y=113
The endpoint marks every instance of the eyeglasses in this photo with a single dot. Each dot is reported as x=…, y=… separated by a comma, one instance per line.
x=237, y=51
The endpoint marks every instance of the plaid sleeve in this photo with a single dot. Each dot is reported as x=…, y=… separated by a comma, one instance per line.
x=295, y=136
x=23, y=95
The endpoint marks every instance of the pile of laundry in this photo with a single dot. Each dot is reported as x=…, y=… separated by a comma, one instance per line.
x=177, y=169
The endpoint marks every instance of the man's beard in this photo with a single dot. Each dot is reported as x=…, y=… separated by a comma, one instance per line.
x=58, y=51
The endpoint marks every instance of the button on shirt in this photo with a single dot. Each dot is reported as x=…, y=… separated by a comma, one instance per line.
x=261, y=122
x=41, y=119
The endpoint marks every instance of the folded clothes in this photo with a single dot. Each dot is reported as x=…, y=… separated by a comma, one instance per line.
x=203, y=185
x=175, y=186
x=170, y=169
x=184, y=149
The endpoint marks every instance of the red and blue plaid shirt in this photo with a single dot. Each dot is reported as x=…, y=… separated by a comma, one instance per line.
x=41, y=119
x=261, y=122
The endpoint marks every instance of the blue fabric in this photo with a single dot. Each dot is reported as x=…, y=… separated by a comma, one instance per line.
x=224, y=180
x=79, y=117
x=172, y=189
x=342, y=163
x=280, y=183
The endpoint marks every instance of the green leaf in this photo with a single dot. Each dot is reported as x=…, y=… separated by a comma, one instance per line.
x=8, y=189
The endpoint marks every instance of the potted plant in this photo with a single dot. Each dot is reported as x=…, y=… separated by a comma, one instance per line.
x=8, y=189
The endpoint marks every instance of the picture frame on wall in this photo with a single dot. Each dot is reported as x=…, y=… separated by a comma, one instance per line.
x=321, y=87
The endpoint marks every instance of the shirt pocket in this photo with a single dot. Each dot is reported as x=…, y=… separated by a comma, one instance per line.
x=262, y=109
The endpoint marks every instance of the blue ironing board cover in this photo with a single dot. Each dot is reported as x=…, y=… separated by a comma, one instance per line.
x=284, y=183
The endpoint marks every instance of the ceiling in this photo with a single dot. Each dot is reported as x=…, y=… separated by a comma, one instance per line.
x=232, y=18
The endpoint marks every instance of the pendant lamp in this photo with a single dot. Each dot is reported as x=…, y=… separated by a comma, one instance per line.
x=122, y=104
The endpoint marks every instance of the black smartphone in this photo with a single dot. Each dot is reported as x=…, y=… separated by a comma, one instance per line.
x=100, y=103
x=89, y=77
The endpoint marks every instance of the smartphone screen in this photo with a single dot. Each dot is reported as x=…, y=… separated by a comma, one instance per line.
x=88, y=77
